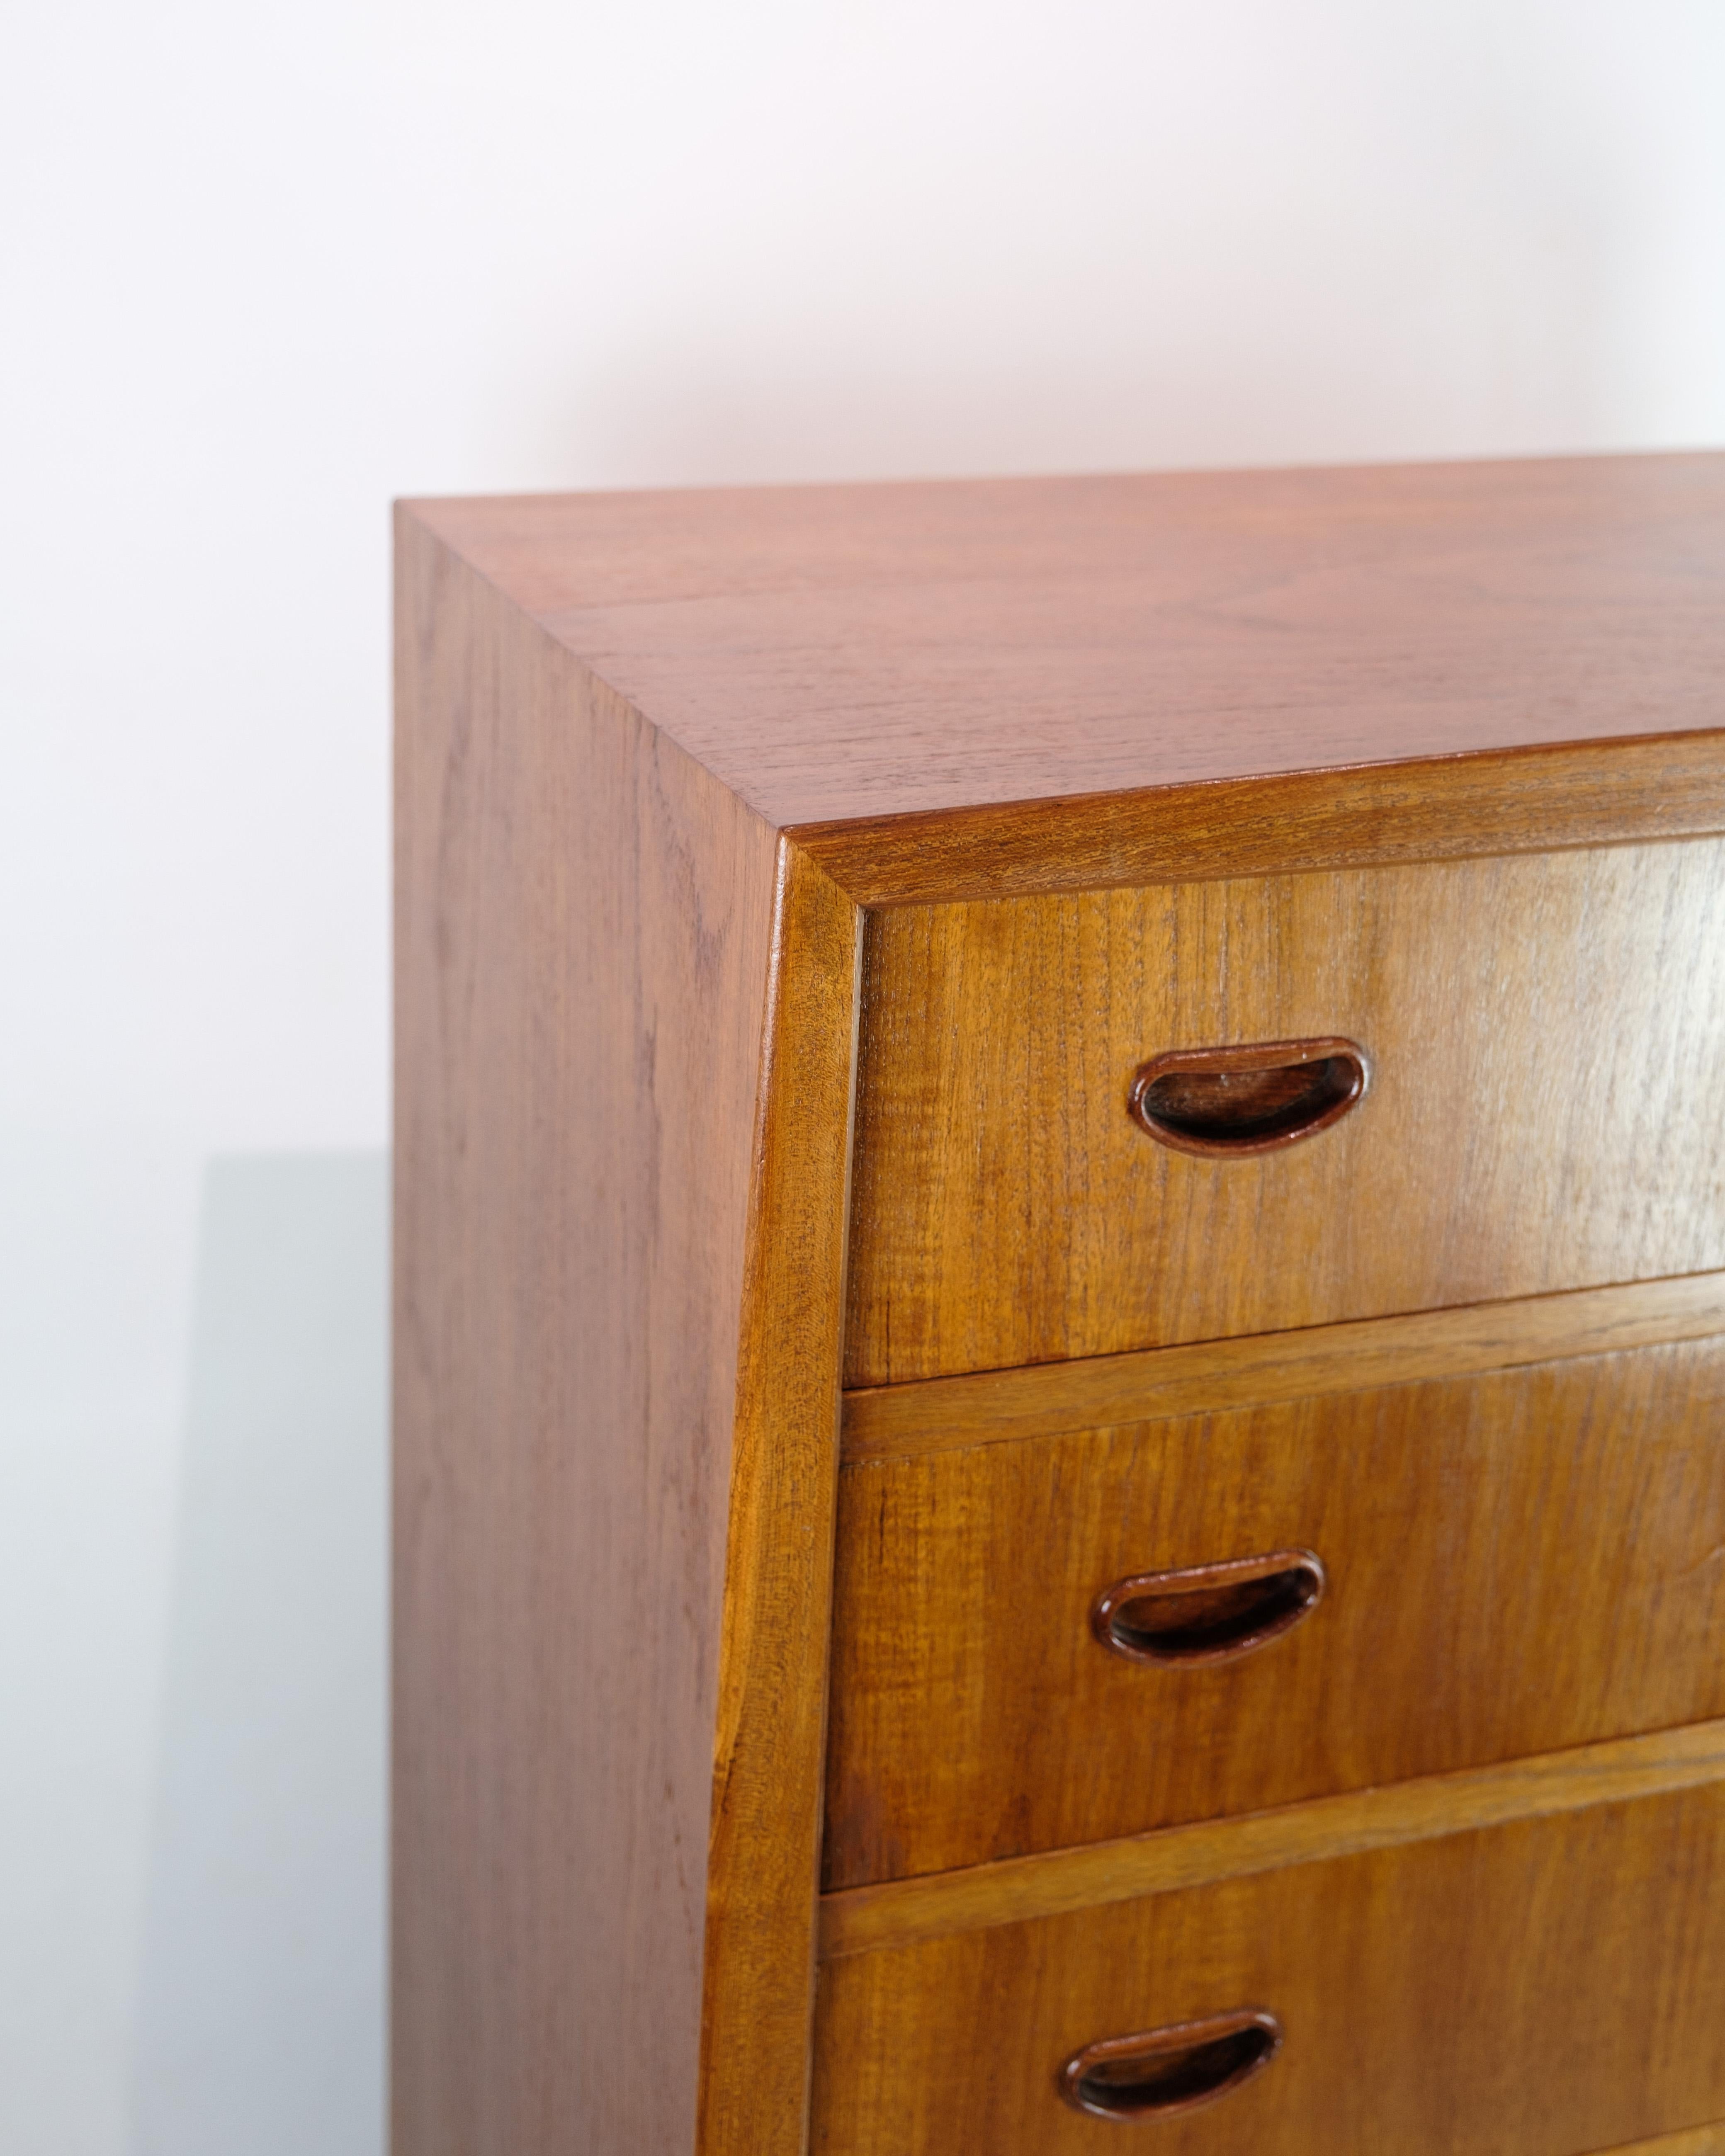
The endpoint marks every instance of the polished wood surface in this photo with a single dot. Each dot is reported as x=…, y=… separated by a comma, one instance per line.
x=1539, y=1988
x=1020, y=1890
x=761, y=1875
x=993, y=1406
x=1515, y=1562
x=569, y=1249
x=1696, y=2141
x=1512, y=801
x=656, y=752
x=845, y=653
x=1546, y=1109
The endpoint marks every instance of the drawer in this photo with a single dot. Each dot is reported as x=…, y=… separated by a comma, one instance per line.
x=1534, y=1990
x=1546, y=1107
x=1511, y=1561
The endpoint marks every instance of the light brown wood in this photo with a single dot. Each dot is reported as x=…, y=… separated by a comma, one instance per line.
x=637, y=733
x=773, y=1660
x=1537, y=1988
x=1547, y=1108
x=993, y=1406
x=835, y=653
x=1509, y=801
x=1517, y=1562
x=1025, y=1889
x=1697, y=2141
x=583, y=917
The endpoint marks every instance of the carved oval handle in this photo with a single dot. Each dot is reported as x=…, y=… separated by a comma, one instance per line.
x=1208, y=1613
x=1169, y=2070
x=1224, y=1102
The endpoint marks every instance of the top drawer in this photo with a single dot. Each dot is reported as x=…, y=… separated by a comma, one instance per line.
x=1545, y=1038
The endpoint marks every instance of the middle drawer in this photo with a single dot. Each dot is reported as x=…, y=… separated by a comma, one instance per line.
x=1509, y=1562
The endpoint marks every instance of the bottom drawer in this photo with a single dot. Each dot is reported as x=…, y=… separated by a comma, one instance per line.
x=1542, y=1989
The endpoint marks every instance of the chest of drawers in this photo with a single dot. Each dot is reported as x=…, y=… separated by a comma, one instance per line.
x=1060, y=1318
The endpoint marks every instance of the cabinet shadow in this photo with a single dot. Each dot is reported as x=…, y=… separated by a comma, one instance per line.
x=261, y=2001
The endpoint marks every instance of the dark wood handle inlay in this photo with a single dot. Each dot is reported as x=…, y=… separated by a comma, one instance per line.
x=1208, y=1613
x=1167, y=2070
x=1221, y=1102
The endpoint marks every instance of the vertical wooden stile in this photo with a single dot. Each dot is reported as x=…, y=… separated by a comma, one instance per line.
x=770, y=1755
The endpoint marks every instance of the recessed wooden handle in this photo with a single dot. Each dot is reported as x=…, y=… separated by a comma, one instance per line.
x=1167, y=2070
x=1208, y=1613
x=1222, y=1102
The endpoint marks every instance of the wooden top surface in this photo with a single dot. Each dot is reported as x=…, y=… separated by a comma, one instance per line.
x=836, y=653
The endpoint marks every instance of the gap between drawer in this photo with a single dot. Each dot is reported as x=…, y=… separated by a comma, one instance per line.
x=1018, y=1890
x=990, y=1407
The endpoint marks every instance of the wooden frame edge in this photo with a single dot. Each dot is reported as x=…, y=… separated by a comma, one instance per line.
x=1537, y=800
x=770, y=1743
x=1687, y=2141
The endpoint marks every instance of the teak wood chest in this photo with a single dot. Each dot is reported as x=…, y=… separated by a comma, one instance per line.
x=1061, y=1317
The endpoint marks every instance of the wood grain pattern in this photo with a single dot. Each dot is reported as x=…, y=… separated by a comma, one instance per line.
x=1510, y=801
x=1697, y=2141
x=773, y=1667
x=584, y=919
x=1517, y=1561
x=656, y=748
x=1025, y=1889
x=1541, y=1987
x=1547, y=1108
x=833, y=654
x=992, y=1407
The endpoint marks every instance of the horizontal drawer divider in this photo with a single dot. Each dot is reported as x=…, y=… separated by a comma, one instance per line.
x=1018, y=1890
x=1541, y=798
x=941, y=1415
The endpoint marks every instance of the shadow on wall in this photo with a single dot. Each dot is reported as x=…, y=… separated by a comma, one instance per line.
x=260, y=2029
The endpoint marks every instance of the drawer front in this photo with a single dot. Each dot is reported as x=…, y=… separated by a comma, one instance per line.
x=1513, y=1562
x=1537, y=1989
x=1546, y=1109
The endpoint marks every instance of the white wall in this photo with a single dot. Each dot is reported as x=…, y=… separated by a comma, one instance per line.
x=265, y=268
